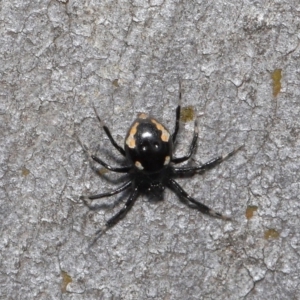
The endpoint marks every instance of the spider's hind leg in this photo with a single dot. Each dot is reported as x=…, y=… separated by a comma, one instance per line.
x=125, y=169
x=178, y=160
x=174, y=135
x=206, y=166
x=108, y=133
x=93, y=158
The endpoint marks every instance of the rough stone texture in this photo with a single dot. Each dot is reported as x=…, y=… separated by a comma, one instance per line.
x=59, y=57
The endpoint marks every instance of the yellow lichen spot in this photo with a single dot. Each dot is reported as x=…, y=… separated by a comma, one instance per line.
x=130, y=141
x=143, y=116
x=25, y=171
x=165, y=135
x=271, y=234
x=187, y=114
x=250, y=211
x=102, y=171
x=276, y=77
x=139, y=165
x=115, y=83
x=66, y=279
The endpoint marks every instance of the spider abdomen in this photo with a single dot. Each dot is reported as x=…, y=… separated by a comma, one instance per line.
x=148, y=145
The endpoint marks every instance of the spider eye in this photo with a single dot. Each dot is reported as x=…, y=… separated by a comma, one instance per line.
x=156, y=145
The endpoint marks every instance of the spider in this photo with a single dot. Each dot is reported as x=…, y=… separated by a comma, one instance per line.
x=151, y=166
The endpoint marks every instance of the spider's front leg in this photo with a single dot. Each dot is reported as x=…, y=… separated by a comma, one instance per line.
x=87, y=199
x=182, y=194
x=118, y=216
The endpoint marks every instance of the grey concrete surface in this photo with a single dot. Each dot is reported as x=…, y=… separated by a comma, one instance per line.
x=126, y=57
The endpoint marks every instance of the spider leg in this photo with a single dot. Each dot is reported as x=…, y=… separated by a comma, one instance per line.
x=118, y=216
x=101, y=162
x=125, y=169
x=192, y=147
x=107, y=131
x=182, y=194
x=174, y=135
x=87, y=199
x=208, y=165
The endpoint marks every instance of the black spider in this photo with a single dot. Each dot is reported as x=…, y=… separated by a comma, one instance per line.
x=151, y=165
